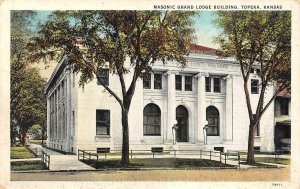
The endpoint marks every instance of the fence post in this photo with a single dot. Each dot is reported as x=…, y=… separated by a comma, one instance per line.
x=201, y=154
x=49, y=162
x=210, y=154
x=220, y=156
x=36, y=151
x=131, y=154
x=153, y=154
x=239, y=158
x=105, y=155
x=97, y=157
x=78, y=154
x=175, y=153
x=90, y=155
x=83, y=154
x=225, y=158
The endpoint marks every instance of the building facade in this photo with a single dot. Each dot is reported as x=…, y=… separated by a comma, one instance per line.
x=208, y=91
x=282, y=137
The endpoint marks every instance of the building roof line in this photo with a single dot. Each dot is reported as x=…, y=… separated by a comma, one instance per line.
x=58, y=68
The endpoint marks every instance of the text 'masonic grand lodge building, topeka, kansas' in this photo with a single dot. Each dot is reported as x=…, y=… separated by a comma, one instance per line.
x=209, y=90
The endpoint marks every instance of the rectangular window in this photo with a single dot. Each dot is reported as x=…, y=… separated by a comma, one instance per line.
x=254, y=86
x=103, y=77
x=256, y=148
x=258, y=130
x=207, y=84
x=178, y=82
x=257, y=71
x=147, y=81
x=251, y=70
x=284, y=106
x=63, y=89
x=217, y=85
x=188, y=83
x=58, y=92
x=157, y=81
x=102, y=122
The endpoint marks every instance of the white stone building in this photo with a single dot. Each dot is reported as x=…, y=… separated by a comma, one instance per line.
x=208, y=88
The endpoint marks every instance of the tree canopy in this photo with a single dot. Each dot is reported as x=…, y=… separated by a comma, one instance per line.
x=27, y=101
x=261, y=39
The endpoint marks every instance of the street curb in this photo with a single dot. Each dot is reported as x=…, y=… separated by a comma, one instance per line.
x=126, y=169
x=146, y=169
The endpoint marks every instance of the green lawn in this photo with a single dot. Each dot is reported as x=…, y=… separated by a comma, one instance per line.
x=20, y=153
x=273, y=160
x=157, y=162
x=283, y=161
x=36, y=141
x=27, y=165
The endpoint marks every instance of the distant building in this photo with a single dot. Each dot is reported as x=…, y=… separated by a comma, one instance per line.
x=282, y=137
x=208, y=89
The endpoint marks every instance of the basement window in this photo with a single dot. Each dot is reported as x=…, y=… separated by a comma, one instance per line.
x=103, y=150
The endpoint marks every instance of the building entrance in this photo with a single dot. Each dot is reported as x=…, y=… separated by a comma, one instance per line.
x=182, y=124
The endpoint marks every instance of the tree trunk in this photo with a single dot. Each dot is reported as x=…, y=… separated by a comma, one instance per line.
x=43, y=131
x=250, y=154
x=125, y=143
x=23, y=134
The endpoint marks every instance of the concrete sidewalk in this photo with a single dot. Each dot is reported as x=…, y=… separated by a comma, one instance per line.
x=59, y=162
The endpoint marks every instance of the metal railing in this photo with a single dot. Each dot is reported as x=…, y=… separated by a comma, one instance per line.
x=45, y=159
x=195, y=154
x=242, y=155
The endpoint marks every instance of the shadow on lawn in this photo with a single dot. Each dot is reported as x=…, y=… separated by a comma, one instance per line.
x=156, y=163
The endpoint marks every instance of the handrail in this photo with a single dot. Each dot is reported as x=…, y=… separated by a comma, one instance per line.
x=45, y=159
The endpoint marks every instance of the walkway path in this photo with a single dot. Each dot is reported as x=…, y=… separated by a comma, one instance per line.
x=60, y=161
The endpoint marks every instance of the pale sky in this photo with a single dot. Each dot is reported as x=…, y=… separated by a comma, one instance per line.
x=206, y=31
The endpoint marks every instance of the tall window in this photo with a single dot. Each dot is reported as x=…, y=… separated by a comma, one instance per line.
x=62, y=89
x=102, y=122
x=188, y=83
x=152, y=120
x=254, y=86
x=147, y=81
x=207, y=84
x=284, y=106
x=213, y=118
x=104, y=77
x=157, y=81
x=217, y=85
x=178, y=82
x=258, y=129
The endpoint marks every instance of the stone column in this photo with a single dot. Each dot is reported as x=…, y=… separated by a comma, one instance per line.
x=171, y=105
x=228, y=108
x=55, y=115
x=201, y=106
x=48, y=119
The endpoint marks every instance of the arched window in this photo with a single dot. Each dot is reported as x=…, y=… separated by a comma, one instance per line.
x=213, y=118
x=152, y=120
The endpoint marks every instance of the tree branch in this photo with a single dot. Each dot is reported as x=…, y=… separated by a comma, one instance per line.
x=111, y=92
